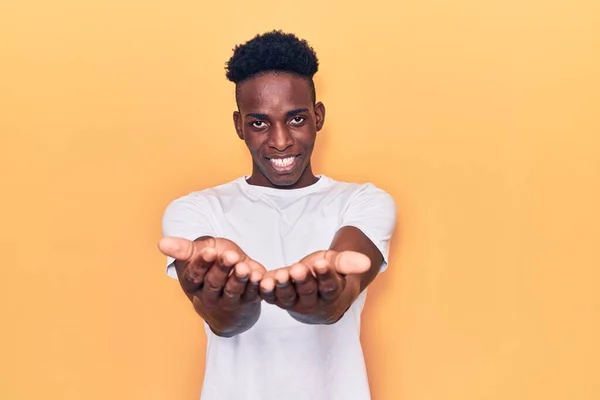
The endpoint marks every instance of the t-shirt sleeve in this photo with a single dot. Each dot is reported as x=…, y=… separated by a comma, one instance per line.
x=188, y=217
x=373, y=211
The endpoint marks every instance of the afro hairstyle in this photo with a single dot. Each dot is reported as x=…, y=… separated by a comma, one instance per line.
x=273, y=51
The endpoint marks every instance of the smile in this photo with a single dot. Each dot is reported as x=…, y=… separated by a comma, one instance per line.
x=283, y=165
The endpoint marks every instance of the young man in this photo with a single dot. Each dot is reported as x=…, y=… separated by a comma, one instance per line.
x=277, y=263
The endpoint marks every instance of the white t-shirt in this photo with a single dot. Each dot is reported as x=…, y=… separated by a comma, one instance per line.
x=280, y=358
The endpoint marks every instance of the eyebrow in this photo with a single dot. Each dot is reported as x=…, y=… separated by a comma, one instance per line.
x=288, y=114
x=257, y=115
x=291, y=113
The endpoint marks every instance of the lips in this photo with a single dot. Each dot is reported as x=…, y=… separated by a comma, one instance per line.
x=283, y=164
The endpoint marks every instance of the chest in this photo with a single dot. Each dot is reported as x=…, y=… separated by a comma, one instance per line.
x=277, y=235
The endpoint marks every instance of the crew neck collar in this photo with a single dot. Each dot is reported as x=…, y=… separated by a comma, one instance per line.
x=255, y=189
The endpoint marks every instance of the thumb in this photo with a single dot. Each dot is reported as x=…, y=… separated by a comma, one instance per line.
x=350, y=262
x=179, y=249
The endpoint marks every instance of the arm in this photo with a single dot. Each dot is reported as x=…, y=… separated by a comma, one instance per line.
x=347, y=239
x=321, y=287
x=220, y=280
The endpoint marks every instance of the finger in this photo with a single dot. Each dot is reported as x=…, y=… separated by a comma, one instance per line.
x=217, y=275
x=306, y=287
x=329, y=282
x=177, y=248
x=348, y=262
x=252, y=288
x=267, y=289
x=285, y=292
x=195, y=270
x=299, y=272
x=256, y=276
x=236, y=284
x=256, y=266
x=252, y=292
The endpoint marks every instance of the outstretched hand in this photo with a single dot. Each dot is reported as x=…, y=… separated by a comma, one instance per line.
x=313, y=287
x=214, y=272
x=226, y=286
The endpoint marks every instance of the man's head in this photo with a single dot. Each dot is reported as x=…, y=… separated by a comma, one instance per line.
x=278, y=116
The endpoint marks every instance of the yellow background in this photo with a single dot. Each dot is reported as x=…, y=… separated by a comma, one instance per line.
x=481, y=118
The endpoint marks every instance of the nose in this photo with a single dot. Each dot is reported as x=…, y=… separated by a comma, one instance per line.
x=280, y=138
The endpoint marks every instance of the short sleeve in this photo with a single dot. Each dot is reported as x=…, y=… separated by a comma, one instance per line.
x=188, y=217
x=373, y=211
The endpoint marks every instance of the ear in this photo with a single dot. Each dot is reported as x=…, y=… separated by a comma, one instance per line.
x=237, y=123
x=320, y=114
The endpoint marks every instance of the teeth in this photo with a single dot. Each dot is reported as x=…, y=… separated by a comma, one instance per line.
x=283, y=162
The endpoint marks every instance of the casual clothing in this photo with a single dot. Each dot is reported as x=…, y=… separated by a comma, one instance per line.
x=280, y=358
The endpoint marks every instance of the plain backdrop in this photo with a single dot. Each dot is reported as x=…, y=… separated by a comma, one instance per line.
x=481, y=118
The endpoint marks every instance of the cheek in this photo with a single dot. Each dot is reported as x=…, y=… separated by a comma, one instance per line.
x=252, y=143
x=307, y=140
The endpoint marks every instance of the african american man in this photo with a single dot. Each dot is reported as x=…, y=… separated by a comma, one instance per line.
x=277, y=263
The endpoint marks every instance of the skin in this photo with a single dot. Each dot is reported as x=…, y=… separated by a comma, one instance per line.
x=276, y=118
x=321, y=287
x=220, y=280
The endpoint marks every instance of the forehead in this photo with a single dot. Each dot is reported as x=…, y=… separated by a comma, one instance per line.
x=274, y=91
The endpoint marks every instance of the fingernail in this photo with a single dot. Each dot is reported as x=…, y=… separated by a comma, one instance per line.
x=242, y=278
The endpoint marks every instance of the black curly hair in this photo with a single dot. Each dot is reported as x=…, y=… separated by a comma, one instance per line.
x=273, y=51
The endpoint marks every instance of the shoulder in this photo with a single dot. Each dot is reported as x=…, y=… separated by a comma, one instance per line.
x=205, y=198
x=362, y=191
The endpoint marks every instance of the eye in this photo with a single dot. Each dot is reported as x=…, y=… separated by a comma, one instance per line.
x=297, y=120
x=258, y=124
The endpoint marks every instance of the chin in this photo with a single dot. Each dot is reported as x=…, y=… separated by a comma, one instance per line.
x=283, y=181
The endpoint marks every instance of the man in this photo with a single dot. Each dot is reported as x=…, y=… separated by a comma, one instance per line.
x=277, y=263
